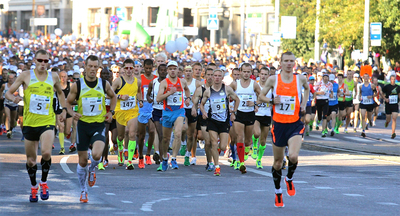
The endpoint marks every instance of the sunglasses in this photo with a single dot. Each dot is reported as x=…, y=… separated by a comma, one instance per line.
x=128, y=68
x=75, y=78
x=42, y=60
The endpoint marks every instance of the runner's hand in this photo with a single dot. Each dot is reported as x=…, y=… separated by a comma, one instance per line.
x=124, y=97
x=77, y=116
x=303, y=110
x=171, y=91
x=63, y=115
x=108, y=117
x=205, y=116
x=140, y=104
x=233, y=117
x=17, y=100
x=194, y=112
x=277, y=100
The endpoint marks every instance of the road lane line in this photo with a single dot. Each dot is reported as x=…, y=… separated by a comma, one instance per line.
x=354, y=195
x=322, y=138
x=249, y=169
x=64, y=166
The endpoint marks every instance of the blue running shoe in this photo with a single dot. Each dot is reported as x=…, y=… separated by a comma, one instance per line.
x=210, y=167
x=34, y=197
x=44, y=191
x=164, y=165
x=174, y=164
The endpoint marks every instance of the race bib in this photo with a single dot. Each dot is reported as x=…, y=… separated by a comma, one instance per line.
x=334, y=97
x=350, y=96
x=175, y=99
x=366, y=100
x=145, y=89
x=287, y=105
x=393, y=99
x=128, y=104
x=39, y=104
x=263, y=107
x=92, y=106
x=219, y=105
x=243, y=100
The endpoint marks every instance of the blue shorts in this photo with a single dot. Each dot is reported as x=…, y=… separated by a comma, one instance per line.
x=145, y=113
x=157, y=114
x=282, y=132
x=169, y=117
x=11, y=107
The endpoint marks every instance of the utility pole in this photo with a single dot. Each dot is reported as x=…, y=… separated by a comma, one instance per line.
x=316, y=44
x=33, y=17
x=276, y=24
x=241, y=26
x=366, y=31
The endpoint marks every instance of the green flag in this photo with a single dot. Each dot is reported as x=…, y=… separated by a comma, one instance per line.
x=139, y=34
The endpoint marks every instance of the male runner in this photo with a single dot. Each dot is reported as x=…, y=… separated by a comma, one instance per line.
x=366, y=97
x=342, y=94
x=287, y=129
x=352, y=86
x=127, y=88
x=333, y=103
x=90, y=92
x=391, y=93
x=145, y=114
x=310, y=107
x=218, y=115
x=247, y=90
x=377, y=101
x=157, y=110
x=64, y=127
x=39, y=118
x=171, y=94
x=323, y=92
x=10, y=108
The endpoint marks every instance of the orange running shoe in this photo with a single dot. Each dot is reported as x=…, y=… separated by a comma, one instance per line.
x=148, y=160
x=34, y=191
x=1, y=131
x=290, y=188
x=136, y=155
x=84, y=197
x=44, y=191
x=279, y=201
x=141, y=163
x=92, y=179
x=217, y=171
x=68, y=136
x=126, y=154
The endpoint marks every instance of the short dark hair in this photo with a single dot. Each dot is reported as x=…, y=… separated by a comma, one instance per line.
x=55, y=69
x=41, y=51
x=197, y=64
x=272, y=68
x=235, y=69
x=128, y=61
x=210, y=69
x=245, y=65
x=286, y=53
x=92, y=58
x=340, y=75
x=161, y=65
x=264, y=68
x=148, y=62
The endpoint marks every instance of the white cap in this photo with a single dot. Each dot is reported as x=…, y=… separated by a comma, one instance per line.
x=75, y=67
x=172, y=63
x=304, y=73
x=331, y=77
x=319, y=74
x=70, y=73
x=323, y=70
x=356, y=75
x=375, y=68
x=105, y=62
x=33, y=67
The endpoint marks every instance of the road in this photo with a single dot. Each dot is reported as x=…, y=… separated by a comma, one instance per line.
x=339, y=175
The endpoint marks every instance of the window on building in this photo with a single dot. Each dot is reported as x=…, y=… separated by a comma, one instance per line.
x=270, y=23
x=153, y=12
x=129, y=13
x=187, y=17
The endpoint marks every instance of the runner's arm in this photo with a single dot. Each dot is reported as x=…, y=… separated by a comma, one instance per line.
x=206, y=95
x=149, y=91
x=71, y=99
x=161, y=96
x=306, y=92
x=268, y=86
x=10, y=93
x=111, y=94
x=233, y=96
x=139, y=93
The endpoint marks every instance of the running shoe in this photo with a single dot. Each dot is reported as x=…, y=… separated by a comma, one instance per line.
x=363, y=133
x=141, y=163
x=84, y=197
x=62, y=151
x=336, y=131
x=386, y=124
x=317, y=127
x=44, y=191
x=159, y=169
x=174, y=164
x=68, y=136
x=100, y=166
x=193, y=162
x=290, y=190
x=307, y=134
x=207, y=166
x=105, y=163
x=211, y=167
x=4, y=129
x=164, y=165
x=72, y=147
x=182, y=151
x=355, y=130
x=148, y=160
x=126, y=154
x=202, y=143
x=345, y=131
x=129, y=165
x=89, y=154
x=111, y=150
x=237, y=165
x=1, y=131
x=242, y=168
x=258, y=163
x=9, y=135
x=279, y=201
x=311, y=127
x=52, y=147
x=187, y=162
x=156, y=158
x=254, y=153
x=332, y=133
x=232, y=163
x=136, y=155
x=115, y=147
x=246, y=156
x=323, y=134
x=393, y=135
x=217, y=171
x=92, y=179
x=34, y=190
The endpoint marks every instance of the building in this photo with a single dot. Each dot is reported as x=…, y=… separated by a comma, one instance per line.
x=190, y=18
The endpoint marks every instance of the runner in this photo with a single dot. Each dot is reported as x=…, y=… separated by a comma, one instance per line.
x=89, y=92
x=377, y=99
x=171, y=94
x=64, y=127
x=287, y=129
x=10, y=108
x=366, y=96
x=262, y=123
x=245, y=116
x=126, y=112
x=145, y=114
x=343, y=93
x=157, y=110
x=218, y=115
x=323, y=92
x=352, y=86
x=197, y=97
x=391, y=93
x=333, y=103
x=310, y=107
x=2, y=98
x=356, y=101
x=39, y=118
x=189, y=127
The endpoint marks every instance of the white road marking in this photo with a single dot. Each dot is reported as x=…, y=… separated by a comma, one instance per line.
x=354, y=195
x=300, y=182
x=202, y=195
x=361, y=140
x=324, y=188
x=324, y=138
x=221, y=193
x=238, y=191
x=64, y=166
x=249, y=169
x=110, y=194
x=127, y=202
x=387, y=203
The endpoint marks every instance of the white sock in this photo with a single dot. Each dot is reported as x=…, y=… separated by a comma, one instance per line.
x=173, y=158
x=278, y=191
x=187, y=154
x=158, y=152
x=82, y=174
x=93, y=164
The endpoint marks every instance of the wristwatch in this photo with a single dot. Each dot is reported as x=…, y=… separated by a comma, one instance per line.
x=112, y=112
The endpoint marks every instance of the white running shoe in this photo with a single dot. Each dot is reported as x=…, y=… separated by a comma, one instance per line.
x=193, y=162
